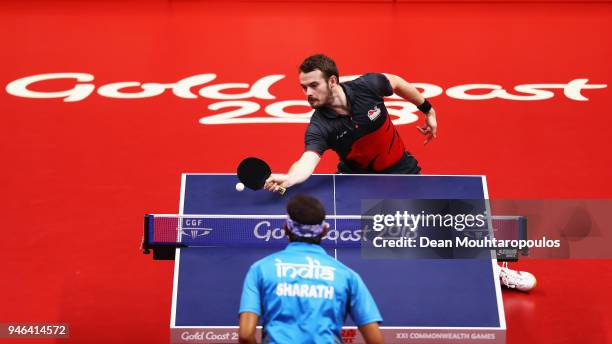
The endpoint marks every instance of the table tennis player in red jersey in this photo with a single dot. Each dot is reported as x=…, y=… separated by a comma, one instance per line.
x=351, y=119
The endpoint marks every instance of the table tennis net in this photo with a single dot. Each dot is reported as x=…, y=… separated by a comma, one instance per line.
x=268, y=230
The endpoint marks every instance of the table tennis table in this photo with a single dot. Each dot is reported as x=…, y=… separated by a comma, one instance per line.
x=421, y=300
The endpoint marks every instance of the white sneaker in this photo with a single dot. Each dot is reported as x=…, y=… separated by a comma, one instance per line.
x=514, y=279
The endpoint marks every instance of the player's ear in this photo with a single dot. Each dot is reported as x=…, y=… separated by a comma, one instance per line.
x=333, y=80
x=325, y=229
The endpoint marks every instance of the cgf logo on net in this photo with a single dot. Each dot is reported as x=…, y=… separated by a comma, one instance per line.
x=236, y=106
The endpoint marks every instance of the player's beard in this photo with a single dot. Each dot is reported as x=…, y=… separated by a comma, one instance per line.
x=322, y=102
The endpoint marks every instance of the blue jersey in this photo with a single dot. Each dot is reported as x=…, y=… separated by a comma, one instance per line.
x=302, y=295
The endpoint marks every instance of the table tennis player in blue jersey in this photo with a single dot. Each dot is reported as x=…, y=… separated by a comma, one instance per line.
x=351, y=119
x=301, y=294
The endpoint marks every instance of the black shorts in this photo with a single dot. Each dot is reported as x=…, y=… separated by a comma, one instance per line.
x=406, y=165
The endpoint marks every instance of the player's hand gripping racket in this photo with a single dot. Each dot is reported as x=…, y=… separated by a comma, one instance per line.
x=253, y=173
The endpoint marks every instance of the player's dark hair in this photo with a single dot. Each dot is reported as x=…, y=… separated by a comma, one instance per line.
x=306, y=210
x=321, y=62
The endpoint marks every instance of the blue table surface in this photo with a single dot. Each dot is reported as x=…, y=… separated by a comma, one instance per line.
x=424, y=293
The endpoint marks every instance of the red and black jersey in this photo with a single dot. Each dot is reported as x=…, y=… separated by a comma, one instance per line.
x=366, y=139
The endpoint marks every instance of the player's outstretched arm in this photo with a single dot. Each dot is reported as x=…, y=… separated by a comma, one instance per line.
x=298, y=173
x=248, y=325
x=371, y=333
x=407, y=91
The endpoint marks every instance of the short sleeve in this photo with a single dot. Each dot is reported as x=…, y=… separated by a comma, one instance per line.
x=250, y=301
x=362, y=307
x=315, y=139
x=379, y=84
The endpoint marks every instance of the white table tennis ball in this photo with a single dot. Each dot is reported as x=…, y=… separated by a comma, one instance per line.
x=239, y=187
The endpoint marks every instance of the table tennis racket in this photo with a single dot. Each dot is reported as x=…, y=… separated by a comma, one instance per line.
x=253, y=173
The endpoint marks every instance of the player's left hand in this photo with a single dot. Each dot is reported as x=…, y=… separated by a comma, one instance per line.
x=430, y=129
